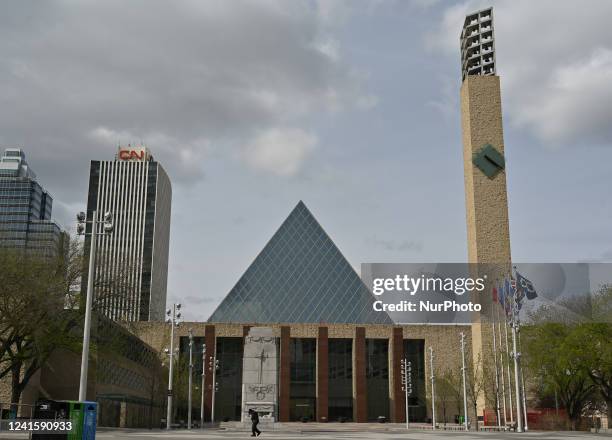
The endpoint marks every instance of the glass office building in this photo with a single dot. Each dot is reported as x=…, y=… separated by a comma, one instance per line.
x=131, y=262
x=25, y=208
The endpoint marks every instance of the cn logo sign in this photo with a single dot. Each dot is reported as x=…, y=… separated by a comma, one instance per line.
x=132, y=154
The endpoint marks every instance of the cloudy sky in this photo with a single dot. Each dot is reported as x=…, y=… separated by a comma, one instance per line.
x=349, y=105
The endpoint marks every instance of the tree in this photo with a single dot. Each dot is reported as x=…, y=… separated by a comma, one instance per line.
x=550, y=348
x=448, y=390
x=39, y=311
x=570, y=345
x=32, y=316
x=476, y=380
x=591, y=346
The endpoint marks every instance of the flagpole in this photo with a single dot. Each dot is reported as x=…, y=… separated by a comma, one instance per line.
x=495, y=359
x=516, y=356
x=508, y=358
x=501, y=361
x=523, y=389
x=501, y=366
x=527, y=290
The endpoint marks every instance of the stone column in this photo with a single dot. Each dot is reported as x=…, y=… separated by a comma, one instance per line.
x=322, y=375
x=398, y=402
x=360, y=410
x=211, y=346
x=285, y=374
x=123, y=416
x=260, y=374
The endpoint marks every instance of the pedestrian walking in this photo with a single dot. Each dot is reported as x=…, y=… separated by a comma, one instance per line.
x=254, y=423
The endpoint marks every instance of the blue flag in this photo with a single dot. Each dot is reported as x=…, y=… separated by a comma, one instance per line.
x=525, y=286
x=502, y=297
x=509, y=296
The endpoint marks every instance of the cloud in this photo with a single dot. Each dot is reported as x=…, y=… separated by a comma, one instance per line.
x=187, y=78
x=395, y=245
x=280, y=151
x=555, y=79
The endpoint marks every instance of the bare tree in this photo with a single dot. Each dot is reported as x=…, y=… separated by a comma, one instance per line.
x=448, y=391
x=41, y=310
x=476, y=384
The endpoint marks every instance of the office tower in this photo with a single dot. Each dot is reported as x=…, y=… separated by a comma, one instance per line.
x=25, y=209
x=132, y=262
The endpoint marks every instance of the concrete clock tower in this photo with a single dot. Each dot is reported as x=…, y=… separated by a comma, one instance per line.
x=486, y=197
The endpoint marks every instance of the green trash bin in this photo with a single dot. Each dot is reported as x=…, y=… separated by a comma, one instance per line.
x=76, y=416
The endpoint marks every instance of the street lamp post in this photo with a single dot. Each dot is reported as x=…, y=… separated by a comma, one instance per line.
x=190, y=377
x=516, y=356
x=81, y=230
x=173, y=316
x=203, y=385
x=465, y=416
x=433, y=390
x=214, y=364
x=407, y=388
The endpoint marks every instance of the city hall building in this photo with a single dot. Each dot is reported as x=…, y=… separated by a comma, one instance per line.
x=297, y=337
x=334, y=358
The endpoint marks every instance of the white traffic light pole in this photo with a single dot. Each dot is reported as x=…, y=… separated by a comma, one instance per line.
x=108, y=228
x=203, y=385
x=215, y=365
x=407, y=390
x=465, y=417
x=173, y=317
x=433, y=390
x=190, y=378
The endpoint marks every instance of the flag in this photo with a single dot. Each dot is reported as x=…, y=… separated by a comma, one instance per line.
x=519, y=295
x=494, y=293
x=525, y=286
x=509, y=296
x=502, y=300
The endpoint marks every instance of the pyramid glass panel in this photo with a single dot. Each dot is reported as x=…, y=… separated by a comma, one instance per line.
x=300, y=276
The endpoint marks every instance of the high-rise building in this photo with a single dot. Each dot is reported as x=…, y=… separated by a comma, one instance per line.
x=25, y=208
x=132, y=262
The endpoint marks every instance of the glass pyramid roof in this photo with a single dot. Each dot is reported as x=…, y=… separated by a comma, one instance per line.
x=300, y=276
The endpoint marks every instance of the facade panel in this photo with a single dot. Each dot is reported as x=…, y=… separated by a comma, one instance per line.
x=340, y=392
x=303, y=379
x=377, y=378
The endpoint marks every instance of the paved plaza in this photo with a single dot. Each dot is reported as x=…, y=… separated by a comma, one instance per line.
x=331, y=434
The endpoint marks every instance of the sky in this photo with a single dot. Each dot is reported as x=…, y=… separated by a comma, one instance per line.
x=349, y=105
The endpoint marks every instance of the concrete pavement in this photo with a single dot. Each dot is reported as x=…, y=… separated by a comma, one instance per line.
x=330, y=434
